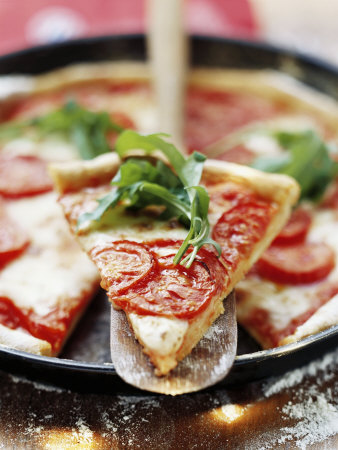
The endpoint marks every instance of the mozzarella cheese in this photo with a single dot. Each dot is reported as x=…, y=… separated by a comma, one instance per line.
x=53, y=269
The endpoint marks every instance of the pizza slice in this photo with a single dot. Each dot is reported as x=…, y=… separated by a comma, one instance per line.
x=166, y=276
x=40, y=299
x=291, y=292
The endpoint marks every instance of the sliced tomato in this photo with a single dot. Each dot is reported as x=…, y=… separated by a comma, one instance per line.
x=22, y=176
x=122, y=264
x=173, y=290
x=297, y=264
x=296, y=229
x=241, y=227
x=13, y=240
x=213, y=114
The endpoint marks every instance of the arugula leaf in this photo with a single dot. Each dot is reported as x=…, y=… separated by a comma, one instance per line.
x=189, y=171
x=307, y=160
x=86, y=129
x=139, y=184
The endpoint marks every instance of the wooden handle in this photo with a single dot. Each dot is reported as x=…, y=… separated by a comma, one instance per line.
x=167, y=48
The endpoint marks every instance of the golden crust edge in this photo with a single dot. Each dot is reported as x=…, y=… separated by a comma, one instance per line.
x=19, y=340
x=324, y=318
x=74, y=175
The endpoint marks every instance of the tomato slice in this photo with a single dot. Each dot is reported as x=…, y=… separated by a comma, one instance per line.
x=22, y=176
x=297, y=264
x=213, y=114
x=173, y=290
x=13, y=240
x=296, y=229
x=122, y=264
x=241, y=227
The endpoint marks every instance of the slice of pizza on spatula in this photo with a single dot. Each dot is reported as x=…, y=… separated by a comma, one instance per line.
x=171, y=236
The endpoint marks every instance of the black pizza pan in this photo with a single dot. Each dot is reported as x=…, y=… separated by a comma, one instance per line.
x=84, y=364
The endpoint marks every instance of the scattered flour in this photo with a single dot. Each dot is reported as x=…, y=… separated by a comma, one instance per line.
x=313, y=407
x=311, y=415
x=37, y=385
x=82, y=433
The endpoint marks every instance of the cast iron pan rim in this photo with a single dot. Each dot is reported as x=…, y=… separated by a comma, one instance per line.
x=259, y=45
x=242, y=361
x=249, y=358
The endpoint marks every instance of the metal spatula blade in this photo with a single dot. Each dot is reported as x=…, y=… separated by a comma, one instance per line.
x=208, y=363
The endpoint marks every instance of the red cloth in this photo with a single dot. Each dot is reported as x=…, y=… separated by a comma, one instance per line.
x=27, y=23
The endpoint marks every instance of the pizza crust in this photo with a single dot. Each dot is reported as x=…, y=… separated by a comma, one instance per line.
x=325, y=317
x=75, y=175
x=24, y=342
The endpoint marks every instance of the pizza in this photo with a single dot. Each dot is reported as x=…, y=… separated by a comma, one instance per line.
x=233, y=108
x=46, y=281
x=292, y=291
x=169, y=304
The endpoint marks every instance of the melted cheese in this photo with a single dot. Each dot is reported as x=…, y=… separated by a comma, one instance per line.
x=53, y=269
x=51, y=149
x=159, y=334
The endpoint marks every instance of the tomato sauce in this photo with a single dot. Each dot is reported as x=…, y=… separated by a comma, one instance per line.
x=330, y=199
x=242, y=226
x=53, y=327
x=23, y=176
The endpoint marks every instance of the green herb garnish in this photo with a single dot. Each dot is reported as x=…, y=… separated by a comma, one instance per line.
x=140, y=184
x=86, y=129
x=307, y=160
